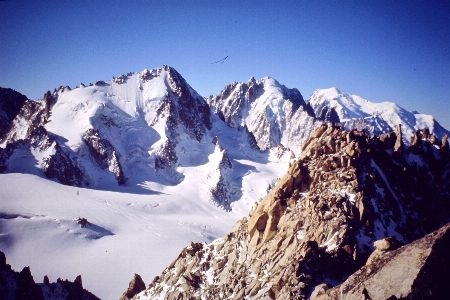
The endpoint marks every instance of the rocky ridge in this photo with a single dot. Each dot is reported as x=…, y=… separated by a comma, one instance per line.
x=220, y=184
x=21, y=285
x=320, y=222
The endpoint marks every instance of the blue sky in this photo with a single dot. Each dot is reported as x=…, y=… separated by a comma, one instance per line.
x=380, y=50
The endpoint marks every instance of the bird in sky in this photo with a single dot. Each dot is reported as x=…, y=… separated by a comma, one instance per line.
x=220, y=61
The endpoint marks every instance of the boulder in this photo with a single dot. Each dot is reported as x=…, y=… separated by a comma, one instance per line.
x=420, y=270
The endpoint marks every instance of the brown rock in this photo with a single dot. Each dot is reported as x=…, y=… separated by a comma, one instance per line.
x=317, y=133
x=389, y=243
x=136, y=286
x=420, y=270
x=398, y=147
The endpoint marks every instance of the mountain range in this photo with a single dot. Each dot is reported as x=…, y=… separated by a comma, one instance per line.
x=150, y=133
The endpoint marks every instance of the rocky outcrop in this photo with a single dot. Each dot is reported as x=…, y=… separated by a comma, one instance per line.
x=55, y=162
x=398, y=147
x=419, y=270
x=104, y=154
x=136, y=286
x=65, y=289
x=167, y=156
x=184, y=109
x=31, y=115
x=218, y=177
x=21, y=286
x=49, y=100
x=321, y=223
x=444, y=146
x=17, y=285
x=251, y=138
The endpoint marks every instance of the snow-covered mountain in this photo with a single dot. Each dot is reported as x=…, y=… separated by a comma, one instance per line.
x=153, y=165
x=337, y=106
x=273, y=113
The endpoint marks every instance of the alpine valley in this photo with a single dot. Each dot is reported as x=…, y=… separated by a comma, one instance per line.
x=253, y=193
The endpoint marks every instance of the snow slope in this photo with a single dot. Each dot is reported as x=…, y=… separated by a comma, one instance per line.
x=137, y=227
x=137, y=230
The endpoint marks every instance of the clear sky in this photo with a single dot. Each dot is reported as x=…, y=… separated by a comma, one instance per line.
x=380, y=50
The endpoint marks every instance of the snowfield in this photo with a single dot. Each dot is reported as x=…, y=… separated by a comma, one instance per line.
x=134, y=229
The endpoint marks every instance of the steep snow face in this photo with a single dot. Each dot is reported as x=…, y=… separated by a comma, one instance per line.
x=142, y=115
x=381, y=117
x=148, y=95
x=266, y=107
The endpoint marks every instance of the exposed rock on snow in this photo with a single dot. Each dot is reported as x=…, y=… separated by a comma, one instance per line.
x=82, y=221
x=167, y=156
x=31, y=115
x=56, y=164
x=104, y=154
x=221, y=185
x=136, y=286
x=51, y=159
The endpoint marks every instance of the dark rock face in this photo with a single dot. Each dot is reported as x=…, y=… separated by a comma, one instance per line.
x=65, y=289
x=187, y=106
x=420, y=270
x=329, y=115
x=104, y=153
x=251, y=138
x=343, y=198
x=167, y=156
x=21, y=286
x=49, y=100
x=17, y=285
x=58, y=165
x=11, y=103
x=136, y=286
